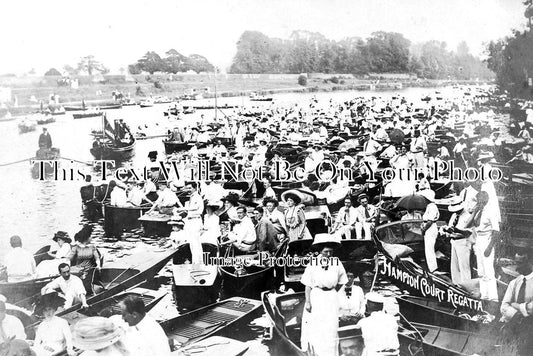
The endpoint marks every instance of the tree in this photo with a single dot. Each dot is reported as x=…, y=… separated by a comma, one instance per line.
x=255, y=54
x=151, y=62
x=52, y=72
x=174, y=62
x=198, y=64
x=388, y=52
x=90, y=65
x=69, y=69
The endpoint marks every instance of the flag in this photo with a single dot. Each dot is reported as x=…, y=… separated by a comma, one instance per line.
x=108, y=129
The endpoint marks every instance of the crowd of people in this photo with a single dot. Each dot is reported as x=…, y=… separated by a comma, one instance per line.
x=328, y=142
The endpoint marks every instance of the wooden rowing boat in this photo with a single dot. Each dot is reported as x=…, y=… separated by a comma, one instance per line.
x=215, y=346
x=155, y=224
x=174, y=146
x=120, y=275
x=110, y=306
x=199, y=324
x=431, y=312
x=87, y=114
x=117, y=219
x=402, y=245
x=357, y=256
x=285, y=313
x=110, y=151
x=251, y=280
x=195, y=285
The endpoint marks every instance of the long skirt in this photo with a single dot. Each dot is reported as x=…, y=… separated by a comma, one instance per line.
x=320, y=327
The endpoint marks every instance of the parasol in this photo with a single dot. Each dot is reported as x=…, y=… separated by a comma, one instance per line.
x=396, y=136
x=413, y=202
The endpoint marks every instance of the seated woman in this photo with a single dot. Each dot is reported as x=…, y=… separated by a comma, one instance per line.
x=211, y=228
x=49, y=267
x=53, y=335
x=84, y=256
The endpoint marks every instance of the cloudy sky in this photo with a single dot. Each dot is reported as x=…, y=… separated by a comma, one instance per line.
x=42, y=34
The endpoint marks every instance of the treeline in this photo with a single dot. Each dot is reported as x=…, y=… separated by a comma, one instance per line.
x=383, y=52
x=511, y=59
x=173, y=62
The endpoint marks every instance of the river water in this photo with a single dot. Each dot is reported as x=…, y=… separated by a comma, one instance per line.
x=35, y=209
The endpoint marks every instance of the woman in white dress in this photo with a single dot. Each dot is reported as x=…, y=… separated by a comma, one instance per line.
x=53, y=335
x=211, y=228
x=61, y=255
x=322, y=278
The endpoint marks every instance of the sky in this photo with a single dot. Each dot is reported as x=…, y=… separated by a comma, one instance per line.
x=43, y=34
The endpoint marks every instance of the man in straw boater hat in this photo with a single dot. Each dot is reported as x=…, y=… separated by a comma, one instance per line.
x=460, y=240
x=379, y=329
x=430, y=229
x=346, y=219
x=365, y=218
x=71, y=287
x=323, y=277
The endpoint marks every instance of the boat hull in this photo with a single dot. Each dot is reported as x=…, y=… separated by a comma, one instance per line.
x=171, y=147
x=118, y=219
x=114, y=153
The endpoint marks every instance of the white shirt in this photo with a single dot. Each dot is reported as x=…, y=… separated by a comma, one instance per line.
x=136, y=196
x=361, y=214
x=12, y=327
x=166, y=198
x=73, y=286
x=244, y=234
x=355, y=303
x=118, y=197
x=54, y=333
x=380, y=332
x=147, y=338
x=195, y=206
x=341, y=216
x=20, y=264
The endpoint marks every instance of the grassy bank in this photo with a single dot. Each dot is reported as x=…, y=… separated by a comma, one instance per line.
x=98, y=94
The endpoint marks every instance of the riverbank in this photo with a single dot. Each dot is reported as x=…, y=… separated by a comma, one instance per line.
x=98, y=94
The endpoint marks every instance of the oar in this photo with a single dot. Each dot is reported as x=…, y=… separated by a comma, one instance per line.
x=15, y=162
x=75, y=160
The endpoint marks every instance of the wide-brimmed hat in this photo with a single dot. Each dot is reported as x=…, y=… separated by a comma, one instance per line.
x=84, y=234
x=63, y=236
x=485, y=155
x=232, y=198
x=295, y=197
x=95, y=333
x=375, y=297
x=50, y=300
x=325, y=240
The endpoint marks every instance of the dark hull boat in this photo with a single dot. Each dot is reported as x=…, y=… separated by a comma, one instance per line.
x=402, y=243
x=195, y=285
x=211, y=107
x=111, y=107
x=155, y=224
x=41, y=166
x=22, y=292
x=425, y=311
x=110, y=306
x=88, y=114
x=414, y=338
x=173, y=146
x=199, y=324
x=113, y=152
x=118, y=219
x=249, y=281
x=118, y=276
x=357, y=256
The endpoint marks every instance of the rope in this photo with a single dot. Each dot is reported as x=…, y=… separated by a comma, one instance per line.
x=75, y=160
x=15, y=162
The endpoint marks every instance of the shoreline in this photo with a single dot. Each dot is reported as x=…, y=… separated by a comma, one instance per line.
x=101, y=94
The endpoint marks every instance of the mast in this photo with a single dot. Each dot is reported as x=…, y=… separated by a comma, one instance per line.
x=103, y=136
x=216, y=94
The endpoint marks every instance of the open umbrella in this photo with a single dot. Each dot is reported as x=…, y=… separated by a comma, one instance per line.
x=396, y=136
x=413, y=202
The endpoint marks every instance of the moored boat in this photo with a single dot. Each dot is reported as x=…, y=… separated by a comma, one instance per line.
x=250, y=278
x=42, y=164
x=111, y=146
x=117, y=219
x=27, y=126
x=256, y=97
x=357, y=256
x=199, y=324
x=174, y=146
x=87, y=114
x=110, y=306
x=195, y=285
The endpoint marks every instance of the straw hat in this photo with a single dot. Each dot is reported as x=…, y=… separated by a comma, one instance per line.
x=290, y=194
x=375, y=298
x=95, y=333
x=485, y=155
x=323, y=240
x=63, y=236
